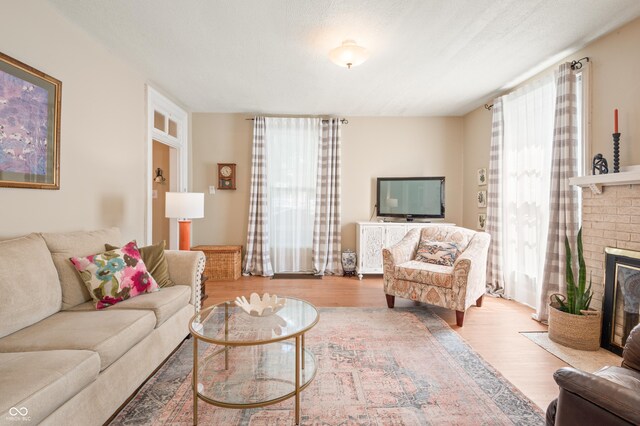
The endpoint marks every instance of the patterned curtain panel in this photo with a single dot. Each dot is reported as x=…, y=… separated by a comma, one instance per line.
x=495, y=199
x=326, y=233
x=257, y=260
x=564, y=198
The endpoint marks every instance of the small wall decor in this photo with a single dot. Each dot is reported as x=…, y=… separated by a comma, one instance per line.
x=482, y=177
x=599, y=165
x=482, y=198
x=482, y=221
x=29, y=126
x=226, y=176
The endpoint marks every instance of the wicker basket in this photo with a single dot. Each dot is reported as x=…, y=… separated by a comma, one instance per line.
x=223, y=263
x=575, y=331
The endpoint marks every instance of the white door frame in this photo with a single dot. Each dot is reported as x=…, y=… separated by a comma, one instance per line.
x=179, y=161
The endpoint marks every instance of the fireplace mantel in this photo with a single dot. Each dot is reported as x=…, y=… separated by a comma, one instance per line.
x=596, y=182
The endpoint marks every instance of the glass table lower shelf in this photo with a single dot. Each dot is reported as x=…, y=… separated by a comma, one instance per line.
x=255, y=376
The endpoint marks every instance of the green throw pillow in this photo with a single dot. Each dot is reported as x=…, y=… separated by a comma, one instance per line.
x=153, y=258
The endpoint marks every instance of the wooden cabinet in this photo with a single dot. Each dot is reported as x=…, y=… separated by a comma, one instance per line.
x=372, y=237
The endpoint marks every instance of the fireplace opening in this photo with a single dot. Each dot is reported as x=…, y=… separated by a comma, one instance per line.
x=621, y=306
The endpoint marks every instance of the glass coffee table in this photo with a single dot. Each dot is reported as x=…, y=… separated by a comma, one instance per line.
x=253, y=361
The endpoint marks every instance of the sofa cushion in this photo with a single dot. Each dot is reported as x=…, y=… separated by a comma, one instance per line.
x=75, y=244
x=29, y=286
x=425, y=273
x=155, y=260
x=37, y=383
x=163, y=303
x=115, y=275
x=109, y=333
x=442, y=253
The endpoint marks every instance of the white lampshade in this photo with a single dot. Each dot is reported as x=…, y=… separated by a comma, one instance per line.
x=184, y=205
x=349, y=54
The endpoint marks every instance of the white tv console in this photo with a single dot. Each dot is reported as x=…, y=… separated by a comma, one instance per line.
x=372, y=237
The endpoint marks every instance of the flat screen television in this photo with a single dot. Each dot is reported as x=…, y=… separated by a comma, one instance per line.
x=410, y=197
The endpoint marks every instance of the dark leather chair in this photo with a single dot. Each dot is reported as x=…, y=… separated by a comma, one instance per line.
x=610, y=396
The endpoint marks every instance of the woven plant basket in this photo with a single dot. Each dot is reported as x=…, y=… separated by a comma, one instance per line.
x=575, y=331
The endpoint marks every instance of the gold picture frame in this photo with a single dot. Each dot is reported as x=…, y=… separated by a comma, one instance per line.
x=30, y=104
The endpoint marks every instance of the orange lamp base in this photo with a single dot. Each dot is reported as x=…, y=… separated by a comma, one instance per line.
x=185, y=234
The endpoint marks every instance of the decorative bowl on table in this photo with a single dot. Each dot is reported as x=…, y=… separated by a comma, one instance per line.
x=258, y=307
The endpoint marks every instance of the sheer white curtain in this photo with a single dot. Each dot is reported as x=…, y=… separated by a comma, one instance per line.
x=528, y=137
x=292, y=146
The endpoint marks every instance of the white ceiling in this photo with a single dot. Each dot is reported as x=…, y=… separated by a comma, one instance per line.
x=428, y=57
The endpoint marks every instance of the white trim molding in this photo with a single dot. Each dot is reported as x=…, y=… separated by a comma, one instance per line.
x=179, y=156
x=596, y=182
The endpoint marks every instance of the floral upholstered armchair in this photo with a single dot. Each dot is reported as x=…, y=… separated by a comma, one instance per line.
x=452, y=281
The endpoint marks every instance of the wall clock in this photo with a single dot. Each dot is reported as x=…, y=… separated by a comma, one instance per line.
x=226, y=176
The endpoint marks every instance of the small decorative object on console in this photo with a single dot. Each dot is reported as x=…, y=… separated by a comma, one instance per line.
x=600, y=165
x=349, y=263
x=260, y=307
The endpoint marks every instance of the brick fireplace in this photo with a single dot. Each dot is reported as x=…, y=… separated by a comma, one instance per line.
x=610, y=219
x=610, y=224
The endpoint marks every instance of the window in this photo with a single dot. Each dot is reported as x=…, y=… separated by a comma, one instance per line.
x=292, y=146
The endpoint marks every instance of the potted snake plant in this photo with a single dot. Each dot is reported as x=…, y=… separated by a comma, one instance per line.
x=572, y=322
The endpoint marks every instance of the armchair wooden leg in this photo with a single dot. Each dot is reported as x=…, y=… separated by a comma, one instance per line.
x=459, y=318
x=479, y=301
x=390, y=300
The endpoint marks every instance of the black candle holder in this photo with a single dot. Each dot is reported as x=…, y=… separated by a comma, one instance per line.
x=616, y=152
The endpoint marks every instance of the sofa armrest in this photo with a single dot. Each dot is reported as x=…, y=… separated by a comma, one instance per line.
x=470, y=269
x=610, y=396
x=186, y=268
x=402, y=251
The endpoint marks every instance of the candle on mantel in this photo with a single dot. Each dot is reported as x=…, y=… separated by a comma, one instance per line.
x=615, y=120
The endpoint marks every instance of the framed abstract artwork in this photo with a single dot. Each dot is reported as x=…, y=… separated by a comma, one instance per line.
x=29, y=126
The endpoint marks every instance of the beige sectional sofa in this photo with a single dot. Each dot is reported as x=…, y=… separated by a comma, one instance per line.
x=61, y=360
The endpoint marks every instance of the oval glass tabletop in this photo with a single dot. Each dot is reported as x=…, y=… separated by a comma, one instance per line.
x=240, y=328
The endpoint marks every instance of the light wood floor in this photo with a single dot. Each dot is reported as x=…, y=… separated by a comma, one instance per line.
x=493, y=331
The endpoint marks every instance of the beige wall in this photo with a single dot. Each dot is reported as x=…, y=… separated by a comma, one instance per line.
x=397, y=146
x=371, y=147
x=102, y=166
x=615, y=61
x=221, y=138
x=477, y=131
x=160, y=159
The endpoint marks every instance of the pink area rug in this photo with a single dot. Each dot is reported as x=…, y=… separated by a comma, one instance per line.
x=376, y=366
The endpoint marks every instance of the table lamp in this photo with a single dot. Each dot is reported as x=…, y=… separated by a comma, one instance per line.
x=184, y=206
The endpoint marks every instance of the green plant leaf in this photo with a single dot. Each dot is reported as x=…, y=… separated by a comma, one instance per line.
x=582, y=271
x=570, y=280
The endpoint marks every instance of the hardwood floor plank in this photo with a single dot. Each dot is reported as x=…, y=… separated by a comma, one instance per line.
x=492, y=330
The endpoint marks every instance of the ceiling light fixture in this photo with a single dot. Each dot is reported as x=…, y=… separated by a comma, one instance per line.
x=349, y=54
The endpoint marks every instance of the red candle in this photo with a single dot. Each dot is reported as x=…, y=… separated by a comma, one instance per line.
x=615, y=120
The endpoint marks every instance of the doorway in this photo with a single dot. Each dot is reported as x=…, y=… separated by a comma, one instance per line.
x=167, y=150
x=162, y=183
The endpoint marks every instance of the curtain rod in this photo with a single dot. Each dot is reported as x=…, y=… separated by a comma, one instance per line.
x=575, y=65
x=342, y=120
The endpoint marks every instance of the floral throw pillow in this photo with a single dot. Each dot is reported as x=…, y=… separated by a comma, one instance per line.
x=437, y=252
x=115, y=275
